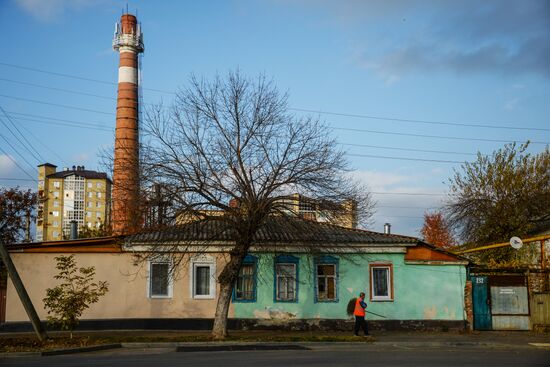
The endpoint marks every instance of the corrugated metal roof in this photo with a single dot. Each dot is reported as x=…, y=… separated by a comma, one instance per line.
x=82, y=173
x=274, y=230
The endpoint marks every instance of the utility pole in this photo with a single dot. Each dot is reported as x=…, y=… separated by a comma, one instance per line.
x=21, y=291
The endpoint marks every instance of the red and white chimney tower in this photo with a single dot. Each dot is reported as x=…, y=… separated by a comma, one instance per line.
x=128, y=41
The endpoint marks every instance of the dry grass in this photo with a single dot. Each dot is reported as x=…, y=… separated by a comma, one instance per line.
x=29, y=343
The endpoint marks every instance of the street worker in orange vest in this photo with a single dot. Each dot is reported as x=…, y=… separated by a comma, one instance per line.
x=359, y=314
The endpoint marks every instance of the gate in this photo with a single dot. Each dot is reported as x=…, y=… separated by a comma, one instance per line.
x=481, y=302
x=509, y=302
x=540, y=311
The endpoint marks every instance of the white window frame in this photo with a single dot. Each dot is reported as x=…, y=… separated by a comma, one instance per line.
x=389, y=277
x=149, y=280
x=199, y=261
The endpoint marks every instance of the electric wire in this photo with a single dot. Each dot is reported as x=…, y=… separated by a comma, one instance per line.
x=404, y=158
x=75, y=76
x=91, y=127
x=437, y=136
x=448, y=123
x=45, y=146
x=16, y=179
x=407, y=149
x=57, y=105
x=15, y=162
x=343, y=114
x=28, y=146
x=335, y=128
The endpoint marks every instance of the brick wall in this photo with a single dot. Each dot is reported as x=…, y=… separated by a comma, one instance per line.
x=468, y=305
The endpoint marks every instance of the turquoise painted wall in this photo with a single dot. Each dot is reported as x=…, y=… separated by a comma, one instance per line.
x=421, y=292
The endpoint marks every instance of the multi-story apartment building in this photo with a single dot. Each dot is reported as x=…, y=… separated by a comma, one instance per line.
x=343, y=214
x=70, y=195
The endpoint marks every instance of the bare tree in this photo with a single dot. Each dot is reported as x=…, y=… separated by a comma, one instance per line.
x=230, y=146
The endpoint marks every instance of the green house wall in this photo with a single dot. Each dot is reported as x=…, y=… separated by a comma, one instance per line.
x=421, y=292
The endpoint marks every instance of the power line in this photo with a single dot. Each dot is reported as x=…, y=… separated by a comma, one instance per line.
x=362, y=116
x=91, y=127
x=14, y=161
x=448, y=123
x=407, y=149
x=16, y=179
x=71, y=91
x=29, y=147
x=408, y=193
x=401, y=216
x=97, y=124
x=17, y=152
x=56, y=104
x=45, y=146
x=335, y=128
x=57, y=89
x=403, y=158
x=405, y=207
x=75, y=76
x=435, y=136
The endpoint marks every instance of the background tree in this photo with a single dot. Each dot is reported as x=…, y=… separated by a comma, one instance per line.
x=232, y=140
x=436, y=231
x=90, y=232
x=77, y=291
x=154, y=210
x=16, y=213
x=500, y=196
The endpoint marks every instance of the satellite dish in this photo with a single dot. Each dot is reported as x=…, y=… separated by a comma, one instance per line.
x=516, y=242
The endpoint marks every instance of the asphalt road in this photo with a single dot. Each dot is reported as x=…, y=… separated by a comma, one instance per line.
x=331, y=355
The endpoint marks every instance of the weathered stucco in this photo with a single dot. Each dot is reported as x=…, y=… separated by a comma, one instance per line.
x=420, y=291
x=127, y=296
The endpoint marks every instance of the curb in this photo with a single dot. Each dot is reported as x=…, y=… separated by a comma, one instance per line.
x=93, y=348
x=239, y=347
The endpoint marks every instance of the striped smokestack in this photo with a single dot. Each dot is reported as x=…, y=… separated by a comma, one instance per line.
x=128, y=41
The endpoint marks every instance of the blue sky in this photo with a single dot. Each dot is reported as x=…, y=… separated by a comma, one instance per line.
x=467, y=62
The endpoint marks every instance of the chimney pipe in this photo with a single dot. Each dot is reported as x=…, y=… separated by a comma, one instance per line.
x=387, y=228
x=74, y=230
x=125, y=199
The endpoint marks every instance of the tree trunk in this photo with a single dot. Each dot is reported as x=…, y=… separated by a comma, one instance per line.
x=219, y=330
x=227, y=278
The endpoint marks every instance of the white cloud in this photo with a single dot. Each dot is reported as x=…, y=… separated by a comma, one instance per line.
x=511, y=104
x=7, y=164
x=50, y=10
x=404, y=212
x=81, y=157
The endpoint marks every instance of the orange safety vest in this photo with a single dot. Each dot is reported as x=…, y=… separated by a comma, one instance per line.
x=359, y=311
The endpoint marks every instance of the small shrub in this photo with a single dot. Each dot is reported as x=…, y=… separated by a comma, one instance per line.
x=77, y=291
